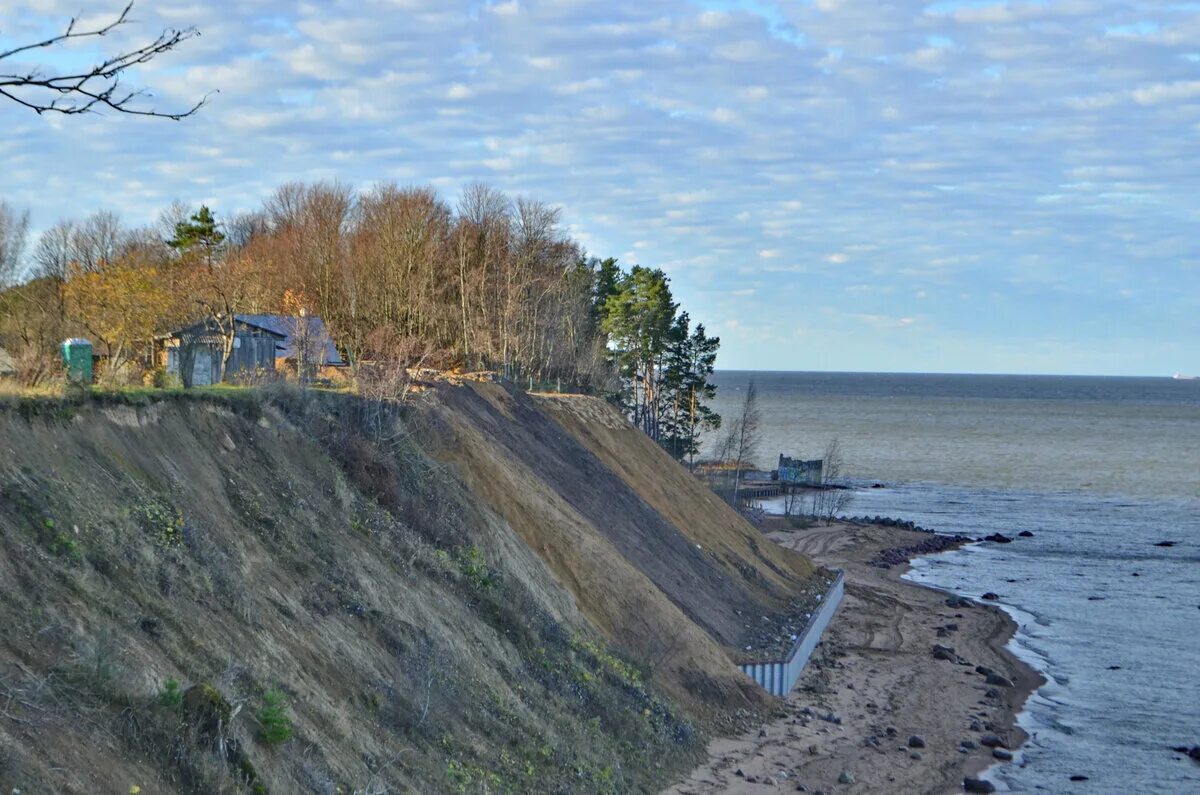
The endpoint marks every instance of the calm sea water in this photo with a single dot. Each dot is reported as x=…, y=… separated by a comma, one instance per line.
x=1099, y=469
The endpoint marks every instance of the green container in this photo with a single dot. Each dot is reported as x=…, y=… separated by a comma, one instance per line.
x=77, y=357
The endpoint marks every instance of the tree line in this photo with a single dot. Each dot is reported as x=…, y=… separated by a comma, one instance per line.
x=402, y=278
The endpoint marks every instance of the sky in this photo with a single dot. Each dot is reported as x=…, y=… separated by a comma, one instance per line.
x=863, y=185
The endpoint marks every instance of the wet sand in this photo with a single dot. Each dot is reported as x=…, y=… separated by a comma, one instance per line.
x=873, y=683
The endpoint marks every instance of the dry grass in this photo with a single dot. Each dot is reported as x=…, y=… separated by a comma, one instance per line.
x=232, y=540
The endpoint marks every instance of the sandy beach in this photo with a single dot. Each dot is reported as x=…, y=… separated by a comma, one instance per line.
x=875, y=711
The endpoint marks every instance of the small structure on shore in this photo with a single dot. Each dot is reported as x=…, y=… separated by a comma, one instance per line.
x=802, y=473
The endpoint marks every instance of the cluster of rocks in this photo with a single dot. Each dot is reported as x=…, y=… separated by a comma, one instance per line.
x=887, y=521
x=1192, y=753
x=770, y=638
x=897, y=556
x=1000, y=538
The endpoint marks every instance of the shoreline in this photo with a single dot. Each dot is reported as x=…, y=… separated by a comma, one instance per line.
x=873, y=683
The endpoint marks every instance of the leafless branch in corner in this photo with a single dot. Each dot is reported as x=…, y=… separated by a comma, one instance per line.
x=95, y=88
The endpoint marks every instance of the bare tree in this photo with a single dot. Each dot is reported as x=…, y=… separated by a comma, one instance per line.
x=99, y=86
x=831, y=497
x=740, y=443
x=14, y=226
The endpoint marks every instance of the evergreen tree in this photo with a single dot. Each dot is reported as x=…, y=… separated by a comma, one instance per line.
x=691, y=359
x=199, y=233
x=638, y=319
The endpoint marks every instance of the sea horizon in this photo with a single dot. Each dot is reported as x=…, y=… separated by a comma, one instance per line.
x=1099, y=469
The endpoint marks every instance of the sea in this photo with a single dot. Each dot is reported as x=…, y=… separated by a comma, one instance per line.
x=1100, y=470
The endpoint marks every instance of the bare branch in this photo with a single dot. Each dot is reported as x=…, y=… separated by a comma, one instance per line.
x=98, y=87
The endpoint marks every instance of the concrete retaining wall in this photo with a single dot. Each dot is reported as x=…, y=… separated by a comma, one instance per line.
x=778, y=678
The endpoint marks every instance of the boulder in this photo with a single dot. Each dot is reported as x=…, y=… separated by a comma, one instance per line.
x=944, y=653
x=998, y=538
x=992, y=741
x=1002, y=755
x=983, y=669
x=970, y=745
x=991, y=597
x=978, y=785
x=846, y=777
x=998, y=680
x=1165, y=544
x=1025, y=534
x=1078, y=777
x=916, y=741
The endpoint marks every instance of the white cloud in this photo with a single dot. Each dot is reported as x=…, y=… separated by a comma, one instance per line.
x=1159, y=93
x=956, y=141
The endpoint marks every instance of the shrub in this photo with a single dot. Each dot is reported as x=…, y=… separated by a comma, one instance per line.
x=160, y=520
x=275, y=726
x=171, y=694
x=474, y=567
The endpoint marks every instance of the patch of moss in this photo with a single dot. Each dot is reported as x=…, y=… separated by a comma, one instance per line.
x=206, y=710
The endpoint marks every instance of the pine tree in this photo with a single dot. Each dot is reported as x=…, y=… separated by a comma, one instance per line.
x=638, y=319
x=199, y=233
x=691, y=359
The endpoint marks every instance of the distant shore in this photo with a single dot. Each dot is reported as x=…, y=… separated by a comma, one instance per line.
x=874, y=687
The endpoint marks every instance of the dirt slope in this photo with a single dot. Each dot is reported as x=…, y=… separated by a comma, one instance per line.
x=464, y=595
x=419, y=644
x=681, y=499
x=635, y=539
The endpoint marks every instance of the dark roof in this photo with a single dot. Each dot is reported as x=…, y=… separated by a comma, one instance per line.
x=210, y=327
x=287, y=325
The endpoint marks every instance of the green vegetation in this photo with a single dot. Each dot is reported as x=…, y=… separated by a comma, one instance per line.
x=161, y=521
x=171, y=694
x=275, y=726
x=663, y=363
x=474, y=568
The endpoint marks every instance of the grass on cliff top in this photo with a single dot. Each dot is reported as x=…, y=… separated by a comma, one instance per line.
x=61, y=401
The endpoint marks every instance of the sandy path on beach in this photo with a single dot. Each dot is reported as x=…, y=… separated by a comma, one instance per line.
x=874, y=672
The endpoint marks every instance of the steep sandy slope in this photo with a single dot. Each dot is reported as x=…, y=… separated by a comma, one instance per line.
x=303, y=545
x=698, y=513
x=650, y=556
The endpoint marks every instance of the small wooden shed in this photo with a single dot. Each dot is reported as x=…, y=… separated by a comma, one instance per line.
x=254, y=348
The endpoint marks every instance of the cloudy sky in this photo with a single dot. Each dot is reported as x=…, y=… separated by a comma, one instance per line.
x=882, y=185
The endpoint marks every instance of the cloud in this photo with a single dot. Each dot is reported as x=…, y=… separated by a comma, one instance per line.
x=921, y=148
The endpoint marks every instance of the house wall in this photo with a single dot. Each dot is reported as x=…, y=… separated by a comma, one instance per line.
x=252, y=350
